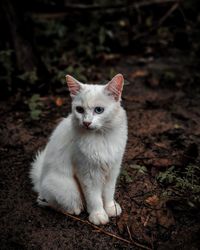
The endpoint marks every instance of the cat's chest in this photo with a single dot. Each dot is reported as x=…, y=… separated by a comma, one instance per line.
x=99, y=150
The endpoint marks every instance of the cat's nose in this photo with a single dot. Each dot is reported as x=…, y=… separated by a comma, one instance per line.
x=87, y=124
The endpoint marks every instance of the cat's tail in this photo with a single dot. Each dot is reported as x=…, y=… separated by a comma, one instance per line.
x=36, y=170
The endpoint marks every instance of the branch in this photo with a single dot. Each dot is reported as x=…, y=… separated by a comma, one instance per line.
x=136, y=5
x=160, y=22
x=96, y=7
x=101, y=230
x=168, y=13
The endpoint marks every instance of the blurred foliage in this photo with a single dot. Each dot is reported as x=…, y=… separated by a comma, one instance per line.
x=68, y=49
x=129, y=173
x=77, y=42
x=182, y=184
x=29, y=76
x=35, y=107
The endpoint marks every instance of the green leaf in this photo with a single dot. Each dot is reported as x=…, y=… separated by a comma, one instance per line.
x=35, y=105
x=35, y=114
x=126, y=176
x=140, y=169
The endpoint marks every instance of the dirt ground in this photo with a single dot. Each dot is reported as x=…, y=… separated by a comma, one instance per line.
x=164, y=131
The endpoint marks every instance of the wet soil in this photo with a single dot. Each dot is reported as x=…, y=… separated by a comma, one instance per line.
x=164, y=131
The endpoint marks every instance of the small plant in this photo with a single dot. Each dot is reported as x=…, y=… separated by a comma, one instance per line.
x=132, y=172
x=182, y=183
x=35, y=105
x=126, y=176
x=29, y=76
x=139, y=169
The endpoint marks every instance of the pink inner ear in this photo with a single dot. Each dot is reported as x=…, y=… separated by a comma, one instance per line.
x=115, y=86
x=73, y=85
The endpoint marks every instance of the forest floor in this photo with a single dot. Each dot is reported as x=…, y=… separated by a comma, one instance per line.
x=164, y=131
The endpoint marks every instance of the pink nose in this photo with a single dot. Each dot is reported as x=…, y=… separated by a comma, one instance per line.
x=86, y=124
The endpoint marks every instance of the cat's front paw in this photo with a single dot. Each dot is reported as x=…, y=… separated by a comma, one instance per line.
x=99, y=217
x=113, y=209
x=75, y=210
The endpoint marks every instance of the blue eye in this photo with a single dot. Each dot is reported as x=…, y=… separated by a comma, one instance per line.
x=98, y=110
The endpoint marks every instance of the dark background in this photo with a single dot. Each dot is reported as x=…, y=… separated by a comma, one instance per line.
x=41, y=41
x=155, y=44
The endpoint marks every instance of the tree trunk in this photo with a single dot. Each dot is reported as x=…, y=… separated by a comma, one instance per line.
x=27, y=58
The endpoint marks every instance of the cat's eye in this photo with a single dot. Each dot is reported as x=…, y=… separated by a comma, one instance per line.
x=80, y=109
x=98, y=110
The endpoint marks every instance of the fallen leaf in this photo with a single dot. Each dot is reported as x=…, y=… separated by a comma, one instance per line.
x=59, y=101
x=152, y=200
x=139, y=73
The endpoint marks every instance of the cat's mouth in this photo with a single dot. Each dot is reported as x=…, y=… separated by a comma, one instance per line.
x=88, y=128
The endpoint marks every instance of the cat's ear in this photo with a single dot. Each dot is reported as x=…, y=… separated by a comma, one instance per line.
x=74, y=85
x=115, y=86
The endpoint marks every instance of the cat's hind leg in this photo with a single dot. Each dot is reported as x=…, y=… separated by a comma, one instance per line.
x=61, y=192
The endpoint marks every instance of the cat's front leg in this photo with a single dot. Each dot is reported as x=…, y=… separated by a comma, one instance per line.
x=92, y=189
x=112, y=208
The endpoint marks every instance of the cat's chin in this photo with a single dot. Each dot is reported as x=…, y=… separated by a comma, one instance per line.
x=89, y=128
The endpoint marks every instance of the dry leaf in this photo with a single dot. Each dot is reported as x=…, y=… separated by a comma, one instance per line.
x=152, y=200
x=59, y=101
x=139, y=73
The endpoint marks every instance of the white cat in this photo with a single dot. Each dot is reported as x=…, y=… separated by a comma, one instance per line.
x=81, y=162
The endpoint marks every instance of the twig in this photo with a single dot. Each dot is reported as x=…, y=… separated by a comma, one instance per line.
x=147, y=3
x=164, y=157
x=146, y=221
x=168, y=13
x=151, y=158
x=101, y=230
x=160, y=22
x=61, y=11
x=129, y=233
x=97, y=7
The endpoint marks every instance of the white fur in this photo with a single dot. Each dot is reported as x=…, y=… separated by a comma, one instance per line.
x=78, y=157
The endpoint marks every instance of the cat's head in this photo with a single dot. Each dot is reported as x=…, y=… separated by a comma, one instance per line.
x=94, y=107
